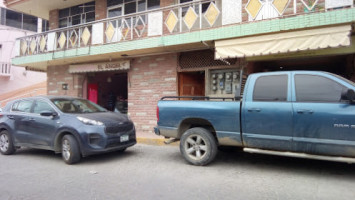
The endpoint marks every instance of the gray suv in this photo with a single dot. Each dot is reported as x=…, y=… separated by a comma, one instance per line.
x=72, y=126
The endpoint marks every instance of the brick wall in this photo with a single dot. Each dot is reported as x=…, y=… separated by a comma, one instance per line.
x=149, y=79
x=53, y=19
x=100, y=9
x=57, y=75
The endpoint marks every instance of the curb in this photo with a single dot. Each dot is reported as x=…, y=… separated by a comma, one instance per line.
x=154, y=141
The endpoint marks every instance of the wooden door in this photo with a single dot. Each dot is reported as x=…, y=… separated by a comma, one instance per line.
x=192, y=84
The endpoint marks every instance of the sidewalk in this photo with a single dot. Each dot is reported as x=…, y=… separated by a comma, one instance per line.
x=152, y=139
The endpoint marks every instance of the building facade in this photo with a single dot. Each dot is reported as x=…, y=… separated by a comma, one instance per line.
x=127, y=54
x=16, y=81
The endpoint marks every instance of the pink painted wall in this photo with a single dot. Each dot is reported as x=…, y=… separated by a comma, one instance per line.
x=19, y=78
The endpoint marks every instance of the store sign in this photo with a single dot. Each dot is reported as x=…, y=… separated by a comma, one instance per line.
x=100, y=67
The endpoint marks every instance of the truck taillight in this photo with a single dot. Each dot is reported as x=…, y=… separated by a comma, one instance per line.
x=157, y=114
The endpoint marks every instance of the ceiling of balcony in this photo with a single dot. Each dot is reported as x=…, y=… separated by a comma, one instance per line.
x=41, y=8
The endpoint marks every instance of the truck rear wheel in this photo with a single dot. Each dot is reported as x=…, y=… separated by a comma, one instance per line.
x=198, y=146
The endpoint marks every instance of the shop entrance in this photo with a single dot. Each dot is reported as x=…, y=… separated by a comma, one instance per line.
x=111, y=90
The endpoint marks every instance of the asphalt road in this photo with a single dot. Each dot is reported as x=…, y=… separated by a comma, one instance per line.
x=159, y=172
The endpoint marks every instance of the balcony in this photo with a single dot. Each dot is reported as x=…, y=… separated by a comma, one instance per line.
x=176, y=27
x=5, y=69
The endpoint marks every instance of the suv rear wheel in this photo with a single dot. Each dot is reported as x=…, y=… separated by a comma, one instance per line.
x=198, y=146
x=70, y=150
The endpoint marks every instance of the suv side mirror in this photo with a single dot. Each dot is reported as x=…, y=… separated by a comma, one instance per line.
x=348, y=95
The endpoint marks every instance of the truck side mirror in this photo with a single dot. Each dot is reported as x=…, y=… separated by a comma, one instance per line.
x=237, y=95
x=348, y=95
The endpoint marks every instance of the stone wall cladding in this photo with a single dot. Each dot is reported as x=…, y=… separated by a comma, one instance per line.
x=57, y=75
x=149, y=79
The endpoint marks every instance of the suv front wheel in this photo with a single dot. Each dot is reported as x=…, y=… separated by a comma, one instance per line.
x=70, y=150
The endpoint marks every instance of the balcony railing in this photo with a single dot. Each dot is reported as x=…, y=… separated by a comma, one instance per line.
x=5, y=69
x=191, y=16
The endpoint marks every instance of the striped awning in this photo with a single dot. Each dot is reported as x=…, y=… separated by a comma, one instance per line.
x=313, y=39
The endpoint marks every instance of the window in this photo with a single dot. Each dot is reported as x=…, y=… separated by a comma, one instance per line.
x=117, y=7
x=22, y=106
x=78, y=14
x=45, y=25
x=18, y=20
x=41, y=106
x=271, y=88
x=311, y=88
x=204, y=6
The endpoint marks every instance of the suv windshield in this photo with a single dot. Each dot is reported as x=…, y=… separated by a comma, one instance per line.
x=77, y=106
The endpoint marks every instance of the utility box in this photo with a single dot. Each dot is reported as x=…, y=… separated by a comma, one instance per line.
x=222, y=83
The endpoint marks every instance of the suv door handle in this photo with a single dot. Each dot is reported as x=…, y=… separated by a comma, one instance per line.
x=301, y=111
x=10, y=117
x=254, y=109
x=31, y=119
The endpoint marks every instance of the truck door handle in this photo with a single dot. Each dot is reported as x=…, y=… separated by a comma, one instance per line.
x=254, y=109
x=301, y=111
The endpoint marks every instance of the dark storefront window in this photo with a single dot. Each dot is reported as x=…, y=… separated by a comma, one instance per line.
x=78, y=14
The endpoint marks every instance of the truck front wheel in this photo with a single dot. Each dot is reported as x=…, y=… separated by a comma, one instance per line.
x=198, y=146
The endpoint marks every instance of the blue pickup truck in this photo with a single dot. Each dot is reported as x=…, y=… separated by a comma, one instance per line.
x=307, y=114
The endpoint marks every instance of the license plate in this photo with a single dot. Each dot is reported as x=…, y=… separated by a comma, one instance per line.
x=124, y=138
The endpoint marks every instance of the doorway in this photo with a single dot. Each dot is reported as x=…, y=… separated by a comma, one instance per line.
x=112, y=90
x=192, y=83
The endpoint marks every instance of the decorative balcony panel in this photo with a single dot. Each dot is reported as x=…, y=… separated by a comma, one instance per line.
x=171, y=21
x=309, y=4
x=212, y=14
x=281, y=5
x=253, y=7
x=197, y=15
x=190, y=18
x=231, y=11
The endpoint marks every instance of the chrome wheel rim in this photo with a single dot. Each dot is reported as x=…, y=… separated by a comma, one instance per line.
x=66, y=149
x=195, y=147
x=4, y=142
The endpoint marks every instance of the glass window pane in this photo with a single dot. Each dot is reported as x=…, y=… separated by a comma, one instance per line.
x=24, y=106
x=130, y=8
x=115, y=12
x=76, y=20
x=90, y=17
x=89, y=6
x=271, y=88
x=13, y=19
x=41, y=106
x=30, y=23
x=141, y=5
x=114, y=2
x=76, y=10
x=3, y=16
x=63, y=22
x=310, y=88
x=153, y=4
x=64, y=13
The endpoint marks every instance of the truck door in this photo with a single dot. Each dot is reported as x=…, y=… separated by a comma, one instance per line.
x=267, y=112
x=323, y=124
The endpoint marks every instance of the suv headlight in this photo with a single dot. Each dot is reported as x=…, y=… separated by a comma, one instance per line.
x=90, y=121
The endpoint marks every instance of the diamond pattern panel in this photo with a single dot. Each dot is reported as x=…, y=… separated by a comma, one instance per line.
x=73, y=38
x=42, y=43
x=280, y=5
x=85, y=36
x=212, y=14
x=33, y=45
x=171, y=21
x=190, y=18
x=24, y=47
x=110, y=31
x=139, y=27
x=253, y=7
x=61, y=40
x=310, y=4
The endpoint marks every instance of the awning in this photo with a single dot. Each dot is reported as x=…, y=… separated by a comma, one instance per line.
x=100, y=67
x=313, y=39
